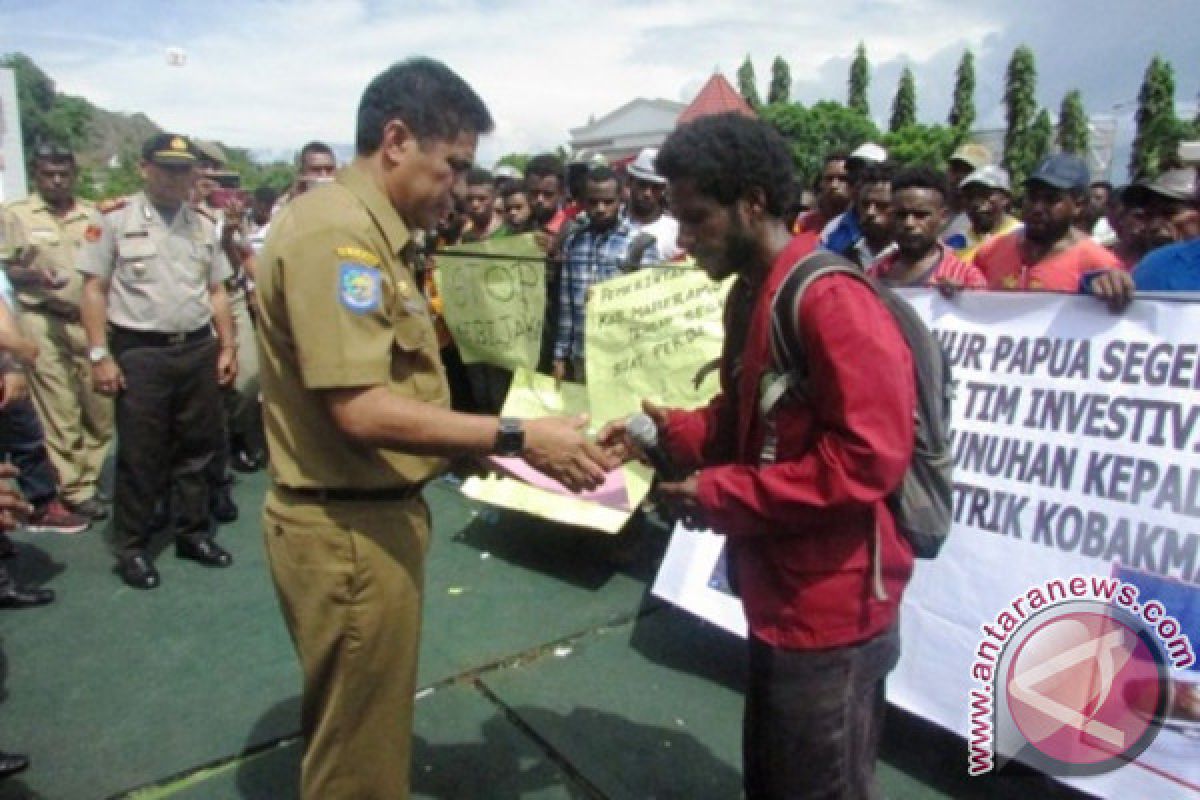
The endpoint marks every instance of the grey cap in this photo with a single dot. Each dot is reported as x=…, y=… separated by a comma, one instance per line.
x=991, y=176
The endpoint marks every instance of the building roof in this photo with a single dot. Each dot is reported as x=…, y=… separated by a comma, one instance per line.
x=716, y=97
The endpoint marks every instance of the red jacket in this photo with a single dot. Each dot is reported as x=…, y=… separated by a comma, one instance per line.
x=802, y=531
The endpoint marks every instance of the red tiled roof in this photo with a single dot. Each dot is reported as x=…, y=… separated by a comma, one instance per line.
x=717, y=97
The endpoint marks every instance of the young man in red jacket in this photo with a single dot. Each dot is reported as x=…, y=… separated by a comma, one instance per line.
x=813, y=548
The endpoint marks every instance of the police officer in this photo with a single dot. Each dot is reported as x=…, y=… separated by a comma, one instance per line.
x=155, y=274
x=357, y=419
x=50, y=226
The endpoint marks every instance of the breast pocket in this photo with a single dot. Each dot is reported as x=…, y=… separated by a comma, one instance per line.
x=44, y=237
x=413, y=361
x=135, y=257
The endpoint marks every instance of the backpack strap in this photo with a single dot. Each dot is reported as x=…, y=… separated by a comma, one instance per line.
x=789, y=369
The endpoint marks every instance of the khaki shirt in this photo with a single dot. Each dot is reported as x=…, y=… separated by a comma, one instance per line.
x=341, y=308
x=59, y=242
x=159, y=276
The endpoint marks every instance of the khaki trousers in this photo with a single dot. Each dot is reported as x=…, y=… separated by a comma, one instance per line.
x=78, y=421
x=349, y=576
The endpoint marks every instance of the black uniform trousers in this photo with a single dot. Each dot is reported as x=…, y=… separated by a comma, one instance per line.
x=169, y=428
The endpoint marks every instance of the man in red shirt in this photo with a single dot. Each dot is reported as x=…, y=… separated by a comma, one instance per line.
x=918, y=215
x=1049, y=253
x=812, y=546
x=834, y=195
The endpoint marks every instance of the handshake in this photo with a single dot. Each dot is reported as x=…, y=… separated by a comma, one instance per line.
x=558, y=447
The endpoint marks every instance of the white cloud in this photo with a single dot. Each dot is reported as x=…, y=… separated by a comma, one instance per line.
x=272, y=75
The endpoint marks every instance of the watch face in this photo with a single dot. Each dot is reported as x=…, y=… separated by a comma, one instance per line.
x=510, y=438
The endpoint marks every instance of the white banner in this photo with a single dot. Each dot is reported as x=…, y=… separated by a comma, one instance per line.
x=1076, y=447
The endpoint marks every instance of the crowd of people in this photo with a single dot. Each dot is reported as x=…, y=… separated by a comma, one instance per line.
x=203, y=329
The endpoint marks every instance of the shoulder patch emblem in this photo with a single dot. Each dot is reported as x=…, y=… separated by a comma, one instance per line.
x=358, y=254
x=358, y=287
x=92, y=233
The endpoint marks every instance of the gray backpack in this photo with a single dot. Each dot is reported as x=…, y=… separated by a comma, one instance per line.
x=923, y=503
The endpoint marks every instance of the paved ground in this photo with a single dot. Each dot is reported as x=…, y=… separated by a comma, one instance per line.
x=547, y=672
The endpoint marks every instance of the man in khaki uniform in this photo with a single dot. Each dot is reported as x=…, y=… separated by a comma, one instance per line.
x=52, y=224
x=155, y=274
x=357, y=419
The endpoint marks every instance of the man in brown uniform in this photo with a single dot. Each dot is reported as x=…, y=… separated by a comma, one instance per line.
x=154, y=291
x=52, y=223
x=357, y=419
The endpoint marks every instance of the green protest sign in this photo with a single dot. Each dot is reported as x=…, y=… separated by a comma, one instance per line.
x=494, y=299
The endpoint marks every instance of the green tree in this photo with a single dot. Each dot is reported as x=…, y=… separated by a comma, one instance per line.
x=904, y=105
x=1020, y=106
x=962, y=111
x=860, y=79
x=1073, y=124
x=780, y=90
x=918, y=145
x=1041, y=137
x=46, y=115
x=747, y=84
x=1158, y=130
x=814, y=131
x=123, y=179
x=518, y=160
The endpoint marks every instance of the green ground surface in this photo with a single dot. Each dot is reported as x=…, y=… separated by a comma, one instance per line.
x=548, y=672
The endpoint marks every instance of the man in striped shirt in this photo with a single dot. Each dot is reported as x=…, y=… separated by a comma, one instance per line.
x=593, y=252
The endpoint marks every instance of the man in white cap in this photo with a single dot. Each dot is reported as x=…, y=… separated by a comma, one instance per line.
x=986, y=197
x=647, y=204
x=844, y=230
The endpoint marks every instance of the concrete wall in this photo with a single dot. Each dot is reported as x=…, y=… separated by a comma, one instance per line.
x=12, y=155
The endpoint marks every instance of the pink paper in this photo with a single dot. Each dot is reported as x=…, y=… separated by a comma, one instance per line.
x=612, y=493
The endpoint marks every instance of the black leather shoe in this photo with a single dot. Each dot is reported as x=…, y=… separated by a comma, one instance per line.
x=203, y=551
x=92, y=508
x=12, y=763
x=25, y=597
x=138, y=572
x=221, y=504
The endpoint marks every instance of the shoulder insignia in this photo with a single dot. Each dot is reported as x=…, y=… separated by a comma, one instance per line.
x=112, y=204
x=358, y=287
x=358, y=254
x=204, y=212
x=92, y=233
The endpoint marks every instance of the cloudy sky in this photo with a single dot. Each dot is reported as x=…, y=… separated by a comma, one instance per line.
x=272, y=74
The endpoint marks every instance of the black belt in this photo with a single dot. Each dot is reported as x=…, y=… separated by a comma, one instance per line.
x=391, y=495
x=158, y=339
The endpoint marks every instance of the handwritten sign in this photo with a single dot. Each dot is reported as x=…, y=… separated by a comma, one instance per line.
x=648, y=334
x=494, y=306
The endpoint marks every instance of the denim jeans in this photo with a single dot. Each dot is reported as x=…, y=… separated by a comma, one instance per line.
x=813, y=719
x=23, y=441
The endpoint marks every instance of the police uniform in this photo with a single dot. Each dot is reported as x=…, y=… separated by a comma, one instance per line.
x=78, y=421
x=160, y=333
x=345, y=526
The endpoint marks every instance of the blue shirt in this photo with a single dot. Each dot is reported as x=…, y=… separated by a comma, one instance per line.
x=1174, y=268
x=842, y=232
x=588, y=258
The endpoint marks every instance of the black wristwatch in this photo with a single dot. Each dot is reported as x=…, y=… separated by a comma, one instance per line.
x=510, y=438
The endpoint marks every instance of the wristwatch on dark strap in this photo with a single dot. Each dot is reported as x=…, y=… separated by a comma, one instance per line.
x=510, y=438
